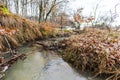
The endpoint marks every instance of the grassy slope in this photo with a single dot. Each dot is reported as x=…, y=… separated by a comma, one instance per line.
x=16, y=30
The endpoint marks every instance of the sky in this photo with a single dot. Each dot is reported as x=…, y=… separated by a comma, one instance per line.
x=104, y=8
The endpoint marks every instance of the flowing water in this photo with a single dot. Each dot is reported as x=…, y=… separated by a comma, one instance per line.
x=43, y=65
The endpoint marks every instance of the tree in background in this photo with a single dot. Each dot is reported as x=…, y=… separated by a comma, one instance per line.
x=40, y=10
x=79, y=18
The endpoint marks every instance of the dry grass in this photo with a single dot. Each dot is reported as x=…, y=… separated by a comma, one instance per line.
x=25, y=30
x=47, y=29
x=16, y=30
x=98, y=52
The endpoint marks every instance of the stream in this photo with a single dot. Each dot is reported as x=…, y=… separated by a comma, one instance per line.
x=42, y=65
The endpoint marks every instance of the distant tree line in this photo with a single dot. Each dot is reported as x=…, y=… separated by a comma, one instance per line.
x=40, y=10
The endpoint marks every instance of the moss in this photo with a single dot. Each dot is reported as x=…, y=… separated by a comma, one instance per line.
x=67, y=30
x=3, y=9
x=48, y=33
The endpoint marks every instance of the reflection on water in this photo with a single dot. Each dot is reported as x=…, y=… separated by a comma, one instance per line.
x=25, y=70
x=42, y=66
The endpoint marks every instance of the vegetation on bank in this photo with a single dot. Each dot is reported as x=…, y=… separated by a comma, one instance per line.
x=3, y=9
x=16, y=30
x=97, y=52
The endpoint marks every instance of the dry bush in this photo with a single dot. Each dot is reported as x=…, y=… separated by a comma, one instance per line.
x=26, y=30
x=15, y=29
x=98, y=52
x=48, y=29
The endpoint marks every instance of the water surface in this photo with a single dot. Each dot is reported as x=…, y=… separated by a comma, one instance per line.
x=42, y=66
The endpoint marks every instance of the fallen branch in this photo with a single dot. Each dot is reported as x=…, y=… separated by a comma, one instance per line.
x=14, y=59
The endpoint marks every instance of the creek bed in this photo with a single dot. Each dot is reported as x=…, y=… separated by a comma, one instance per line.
x=45, y=65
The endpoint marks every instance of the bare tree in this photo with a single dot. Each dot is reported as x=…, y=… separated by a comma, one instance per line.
x=46, y=7
x=42, y=10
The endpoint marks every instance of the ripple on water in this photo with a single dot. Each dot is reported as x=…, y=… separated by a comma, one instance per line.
x=39, y=67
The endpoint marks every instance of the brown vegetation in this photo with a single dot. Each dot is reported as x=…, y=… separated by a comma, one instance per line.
x=98, y=52
x=48, y=29
x=15, y=30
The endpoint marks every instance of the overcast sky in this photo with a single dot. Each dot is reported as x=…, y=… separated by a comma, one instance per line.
x=104, y=7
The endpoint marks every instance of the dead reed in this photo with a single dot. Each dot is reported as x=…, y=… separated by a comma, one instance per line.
x=16, y=30
x=98, y=52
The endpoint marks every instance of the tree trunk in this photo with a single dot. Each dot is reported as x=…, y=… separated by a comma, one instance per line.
x=40, y=11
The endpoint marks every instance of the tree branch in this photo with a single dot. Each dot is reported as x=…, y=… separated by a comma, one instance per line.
x=53, y=5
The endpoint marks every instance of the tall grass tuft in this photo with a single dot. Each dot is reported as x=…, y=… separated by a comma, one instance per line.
x=16, y=30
